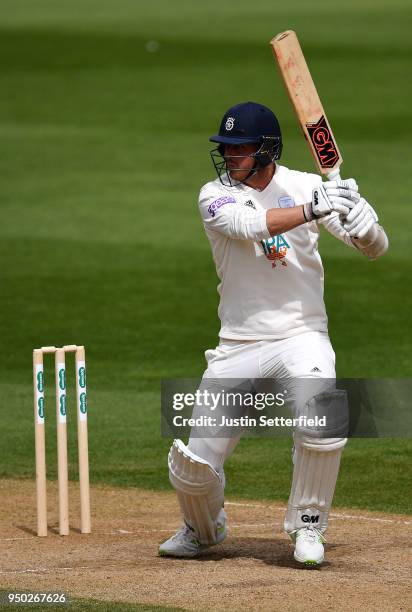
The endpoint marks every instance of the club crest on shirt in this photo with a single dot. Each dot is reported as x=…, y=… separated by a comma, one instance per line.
x=275, y=249
x=286, y=202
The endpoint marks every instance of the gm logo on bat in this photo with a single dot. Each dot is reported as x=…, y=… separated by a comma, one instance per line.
x=320, y=136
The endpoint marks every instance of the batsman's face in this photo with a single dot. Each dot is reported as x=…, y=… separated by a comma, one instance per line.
x=239, y=160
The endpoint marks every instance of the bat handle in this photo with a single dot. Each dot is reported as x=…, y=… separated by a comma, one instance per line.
x=334, y=175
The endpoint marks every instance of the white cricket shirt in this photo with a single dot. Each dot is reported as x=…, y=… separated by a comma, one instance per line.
x=270, y=287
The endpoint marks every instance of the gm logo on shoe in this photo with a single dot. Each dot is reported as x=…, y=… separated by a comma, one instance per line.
x=310, y=519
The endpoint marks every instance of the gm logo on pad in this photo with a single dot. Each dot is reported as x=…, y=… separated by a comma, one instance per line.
x=309, y=519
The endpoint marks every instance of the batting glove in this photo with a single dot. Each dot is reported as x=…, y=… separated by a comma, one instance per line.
x=349, y=184
x=342, y=189
x=360, y=219
x=323, y=204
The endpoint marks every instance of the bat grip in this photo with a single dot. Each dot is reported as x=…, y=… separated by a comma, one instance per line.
x=334, y=175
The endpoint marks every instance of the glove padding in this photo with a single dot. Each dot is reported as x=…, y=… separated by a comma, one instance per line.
x=338, y=191
x=323, y=204
x=360, y=219
x=347, y=185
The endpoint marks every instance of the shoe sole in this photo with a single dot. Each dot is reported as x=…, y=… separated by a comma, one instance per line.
x=309, y=562
x=163, y=553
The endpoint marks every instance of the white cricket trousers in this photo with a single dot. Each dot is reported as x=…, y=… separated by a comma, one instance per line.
x=307, y=355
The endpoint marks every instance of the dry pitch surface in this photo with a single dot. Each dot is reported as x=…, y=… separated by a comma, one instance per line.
x=368, y=556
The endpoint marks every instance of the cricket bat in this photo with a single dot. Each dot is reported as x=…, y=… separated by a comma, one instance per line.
x=306, y=102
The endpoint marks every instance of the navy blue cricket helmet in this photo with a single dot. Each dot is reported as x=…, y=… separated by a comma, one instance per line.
x=246, y=123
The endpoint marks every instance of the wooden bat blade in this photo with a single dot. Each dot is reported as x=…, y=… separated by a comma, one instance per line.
x=306, y=102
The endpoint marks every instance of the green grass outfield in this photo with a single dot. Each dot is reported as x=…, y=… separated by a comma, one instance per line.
x=104, y=148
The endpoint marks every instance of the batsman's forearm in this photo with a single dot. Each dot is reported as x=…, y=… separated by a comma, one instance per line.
x=280, y=220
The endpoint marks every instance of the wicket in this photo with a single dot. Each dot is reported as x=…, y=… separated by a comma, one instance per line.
x=39, y=426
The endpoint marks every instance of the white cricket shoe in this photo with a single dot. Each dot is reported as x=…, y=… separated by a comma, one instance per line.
x=185, y=542
x=309, y=546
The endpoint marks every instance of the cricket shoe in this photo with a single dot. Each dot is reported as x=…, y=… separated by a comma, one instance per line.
x=309, y=546
x=185, y=542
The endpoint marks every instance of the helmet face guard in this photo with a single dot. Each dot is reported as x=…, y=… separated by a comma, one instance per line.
x=269, y=151
x=247, y=123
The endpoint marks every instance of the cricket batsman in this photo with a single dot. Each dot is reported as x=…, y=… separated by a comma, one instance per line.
x=262, y=221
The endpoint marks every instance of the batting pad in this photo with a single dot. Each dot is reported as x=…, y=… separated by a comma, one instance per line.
x=316, y=467
x=199, y=490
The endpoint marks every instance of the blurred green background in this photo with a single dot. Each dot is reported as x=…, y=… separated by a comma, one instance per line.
x=105, y=114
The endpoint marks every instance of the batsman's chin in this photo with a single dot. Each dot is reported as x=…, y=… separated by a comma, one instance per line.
x=237, y=175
